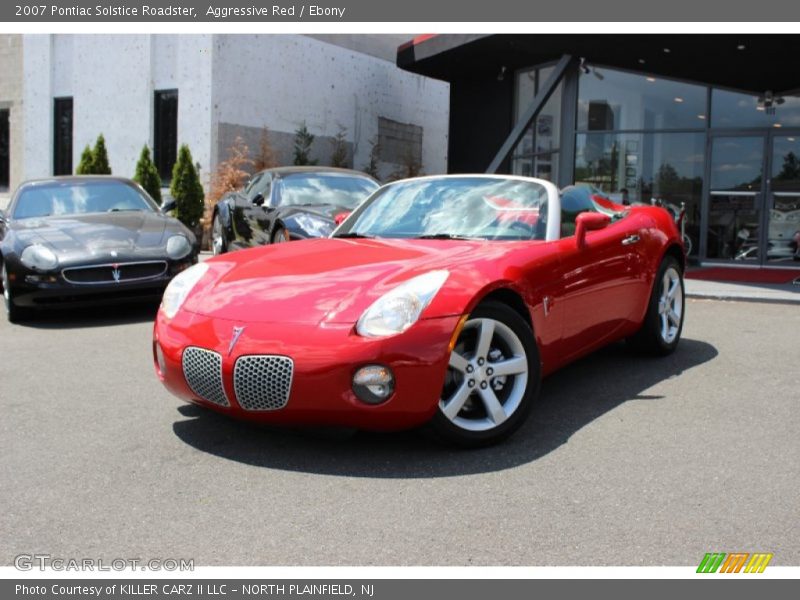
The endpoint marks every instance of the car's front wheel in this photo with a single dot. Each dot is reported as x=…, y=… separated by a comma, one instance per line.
x=492, y=380
x=15, y=313
x=280, y=235
x=219, y=244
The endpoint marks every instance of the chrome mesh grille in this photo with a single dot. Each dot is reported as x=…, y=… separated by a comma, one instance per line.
x=262, y=382
x=203, y=372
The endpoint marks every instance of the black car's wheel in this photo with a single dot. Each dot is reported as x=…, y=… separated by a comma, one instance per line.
x=280, y=235
x=662, y=326
x=15, y=313
x=219, y=245
x=492, y=381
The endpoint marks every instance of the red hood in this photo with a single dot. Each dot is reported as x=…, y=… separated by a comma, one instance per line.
x=333, y=280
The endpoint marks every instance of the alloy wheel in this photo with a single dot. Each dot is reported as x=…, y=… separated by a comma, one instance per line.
x=670, y=305
x=487, y=376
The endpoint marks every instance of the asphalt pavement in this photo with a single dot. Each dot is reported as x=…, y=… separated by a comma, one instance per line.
x=625, y=461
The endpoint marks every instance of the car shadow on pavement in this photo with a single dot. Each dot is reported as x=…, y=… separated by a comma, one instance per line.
x=570, y=399
x=104, y=316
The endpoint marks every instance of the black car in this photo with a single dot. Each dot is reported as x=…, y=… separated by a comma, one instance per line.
x=287, y=203
x=84, y=240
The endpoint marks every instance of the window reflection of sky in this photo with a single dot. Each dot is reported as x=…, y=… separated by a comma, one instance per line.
x=468, y=207
x=337, y=190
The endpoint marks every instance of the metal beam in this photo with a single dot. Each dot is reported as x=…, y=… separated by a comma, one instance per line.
x=531, y=112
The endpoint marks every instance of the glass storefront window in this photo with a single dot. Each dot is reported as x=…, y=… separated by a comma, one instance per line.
x=786, y=164
x=735, y=110
x=536, y=155
x=615, y=100
x=639, y=167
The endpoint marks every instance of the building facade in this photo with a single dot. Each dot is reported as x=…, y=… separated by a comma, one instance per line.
x=207, y=90
x=708, y=122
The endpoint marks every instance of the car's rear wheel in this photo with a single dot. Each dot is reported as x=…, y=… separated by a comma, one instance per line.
x=219, y=244
x=662, y=326
x=280, y=235
x=492, y=380
x=14, y=313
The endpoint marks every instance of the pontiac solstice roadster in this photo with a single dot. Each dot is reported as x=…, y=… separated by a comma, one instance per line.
x=440, y=301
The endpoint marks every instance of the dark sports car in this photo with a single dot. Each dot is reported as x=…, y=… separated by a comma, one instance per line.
x=287, y=203
x=86, y=240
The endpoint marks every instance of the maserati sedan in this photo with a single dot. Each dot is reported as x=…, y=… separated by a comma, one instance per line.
x=440, y=301
x=83, y=240
x=285, y=204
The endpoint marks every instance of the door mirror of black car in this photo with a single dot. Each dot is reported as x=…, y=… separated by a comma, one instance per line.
x=168, y=206
x=258, y=200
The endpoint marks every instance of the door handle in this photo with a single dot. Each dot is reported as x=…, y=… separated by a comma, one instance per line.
x=631, y=239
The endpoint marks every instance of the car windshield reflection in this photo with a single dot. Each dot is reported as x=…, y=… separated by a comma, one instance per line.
x=78, y=198
x=302, y=189
x=454, y=208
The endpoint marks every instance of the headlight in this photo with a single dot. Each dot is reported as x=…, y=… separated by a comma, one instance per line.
x=39, y=257
x=178, y=247
x=179, y=288
x=399, y=309
x=314, y=226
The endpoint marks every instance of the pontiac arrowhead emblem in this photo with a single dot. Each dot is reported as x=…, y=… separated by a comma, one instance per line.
x=237, y=332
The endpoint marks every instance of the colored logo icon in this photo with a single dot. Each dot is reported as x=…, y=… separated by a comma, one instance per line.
x=735, y=562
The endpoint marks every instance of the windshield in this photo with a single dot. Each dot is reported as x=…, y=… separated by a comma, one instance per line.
x=62, y=198
x=347, y=191
x=495, y=208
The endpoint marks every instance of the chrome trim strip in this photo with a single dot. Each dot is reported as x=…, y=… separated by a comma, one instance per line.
x=112, y=265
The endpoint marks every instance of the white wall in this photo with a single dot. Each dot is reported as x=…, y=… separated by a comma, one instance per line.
x=248, y=80
x=282, y=80
x=37, y=100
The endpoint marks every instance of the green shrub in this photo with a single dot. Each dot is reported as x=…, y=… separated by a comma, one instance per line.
x=339, y=155
x=86, y=166
x=147, y=175
x=303, y=139
x=186, y=189
x=100, y=164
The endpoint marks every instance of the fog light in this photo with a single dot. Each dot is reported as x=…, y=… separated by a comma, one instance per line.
x=373, y=384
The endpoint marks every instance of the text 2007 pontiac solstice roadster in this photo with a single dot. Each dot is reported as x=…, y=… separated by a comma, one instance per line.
x=440, y=300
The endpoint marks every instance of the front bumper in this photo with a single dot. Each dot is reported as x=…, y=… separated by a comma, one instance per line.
x=54, y=291
x=325, y=359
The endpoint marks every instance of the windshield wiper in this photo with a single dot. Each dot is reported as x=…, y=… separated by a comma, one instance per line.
x=354, y=235
x=444, y=236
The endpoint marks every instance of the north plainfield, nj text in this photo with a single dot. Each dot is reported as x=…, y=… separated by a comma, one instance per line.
x=147, y=11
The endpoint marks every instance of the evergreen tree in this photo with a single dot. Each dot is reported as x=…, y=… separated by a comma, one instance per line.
x=339, y=154
x=100, y=157
x=303, y=139
x=147, y=175
x=186, y=189
x=86, y=165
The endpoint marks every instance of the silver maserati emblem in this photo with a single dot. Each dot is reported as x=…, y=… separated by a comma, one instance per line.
x=237, y=331
x=115, y=273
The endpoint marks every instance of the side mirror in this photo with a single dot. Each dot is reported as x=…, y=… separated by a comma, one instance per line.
x=258, y=200
x=341, y=217
x=589, y=221
x=168, y=206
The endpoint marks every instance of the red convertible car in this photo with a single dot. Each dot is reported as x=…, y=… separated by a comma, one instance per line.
x=440, y=300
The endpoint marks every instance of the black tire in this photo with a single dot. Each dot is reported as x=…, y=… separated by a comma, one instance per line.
x=280, y=235
x=472, y=426
x=655, y=337
x=218, y=228
x=14, y=313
